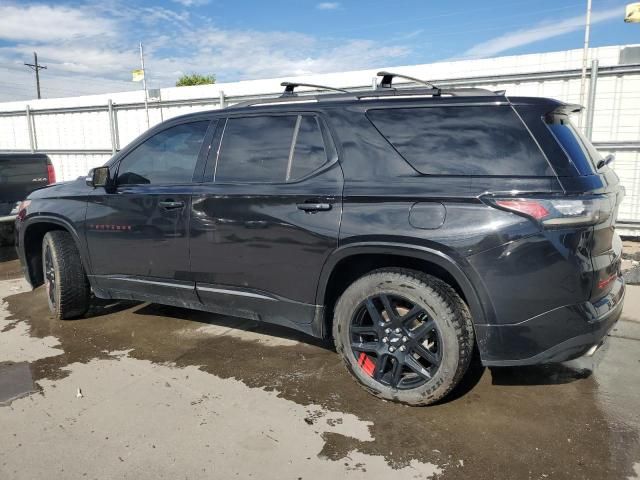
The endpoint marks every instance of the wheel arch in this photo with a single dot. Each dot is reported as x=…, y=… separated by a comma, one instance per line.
x=32, y=233
x=355, y=260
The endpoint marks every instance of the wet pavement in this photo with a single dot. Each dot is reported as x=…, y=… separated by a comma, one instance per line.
x=9, y=264
x=145, y=391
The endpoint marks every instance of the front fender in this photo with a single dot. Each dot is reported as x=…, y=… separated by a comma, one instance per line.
x=24, y=227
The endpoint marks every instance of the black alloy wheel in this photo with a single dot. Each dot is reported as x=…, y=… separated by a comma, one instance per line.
x=404, y=335
x=395, y=341
x=49, y=275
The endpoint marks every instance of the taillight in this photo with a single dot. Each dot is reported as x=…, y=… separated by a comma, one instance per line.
x=558, y=212
x=51, y=174
x=530, y=208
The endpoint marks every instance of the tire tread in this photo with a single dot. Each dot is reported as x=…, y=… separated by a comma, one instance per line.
x=73, y=292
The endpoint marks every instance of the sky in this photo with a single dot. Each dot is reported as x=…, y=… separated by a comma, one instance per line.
x=91, y=47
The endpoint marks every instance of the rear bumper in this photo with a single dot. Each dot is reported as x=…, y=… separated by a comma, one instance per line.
x=8, y=219
x=558, y=335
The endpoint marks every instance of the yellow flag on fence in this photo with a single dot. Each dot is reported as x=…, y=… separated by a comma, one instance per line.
x=632, y=13
x=137, y=75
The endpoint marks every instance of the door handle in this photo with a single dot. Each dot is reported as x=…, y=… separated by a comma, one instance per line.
x=171, y=205
x=314, y=207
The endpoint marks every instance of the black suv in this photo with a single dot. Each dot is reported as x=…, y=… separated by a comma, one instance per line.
x=413, y=225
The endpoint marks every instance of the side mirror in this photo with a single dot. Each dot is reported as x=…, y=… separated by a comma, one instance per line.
x=99, y=177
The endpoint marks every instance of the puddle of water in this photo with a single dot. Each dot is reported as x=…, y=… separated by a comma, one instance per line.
x=518, y=424
x=15, y=382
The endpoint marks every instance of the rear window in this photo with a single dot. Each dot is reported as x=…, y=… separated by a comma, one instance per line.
x=580, y=150
x=475, y=140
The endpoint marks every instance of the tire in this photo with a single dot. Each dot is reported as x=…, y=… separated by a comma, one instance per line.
x=67, y=286
x=423, y=318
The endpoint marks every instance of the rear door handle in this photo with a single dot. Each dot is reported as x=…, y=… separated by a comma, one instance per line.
x=171, y=205
x=314, y=207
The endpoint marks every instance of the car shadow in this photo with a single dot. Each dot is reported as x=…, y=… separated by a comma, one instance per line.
x=8, y=254
x=547, y=374
x=101, y=307
x=248, y=325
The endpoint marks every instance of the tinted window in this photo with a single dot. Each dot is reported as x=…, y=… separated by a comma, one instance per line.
x=255, y=149
x=167, y=157
x=462, y=140
x=309, y=153
x=580, y=150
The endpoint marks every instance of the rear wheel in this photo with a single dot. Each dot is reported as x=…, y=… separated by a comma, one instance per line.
x=405, y=336
x=66, y=284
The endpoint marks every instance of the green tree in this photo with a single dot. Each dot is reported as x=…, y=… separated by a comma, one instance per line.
x=195, y=79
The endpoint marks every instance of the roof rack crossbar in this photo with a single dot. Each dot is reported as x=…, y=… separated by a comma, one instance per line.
x=290, y=86
x=387, y=79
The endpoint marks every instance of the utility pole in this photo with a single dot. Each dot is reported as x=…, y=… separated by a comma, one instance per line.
x=585, y=57
x=144, y=84
x=36, y=68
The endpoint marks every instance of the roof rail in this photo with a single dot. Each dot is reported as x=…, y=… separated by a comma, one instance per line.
x=290, y=86
x=387, y=79
x=435, y=92
x=381, y=92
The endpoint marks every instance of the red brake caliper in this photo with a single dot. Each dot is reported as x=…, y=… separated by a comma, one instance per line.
x=366, y=364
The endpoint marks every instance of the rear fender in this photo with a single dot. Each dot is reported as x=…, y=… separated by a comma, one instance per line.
x=478, y=302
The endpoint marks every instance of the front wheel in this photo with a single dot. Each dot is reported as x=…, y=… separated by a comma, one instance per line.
x=67, y=286
x=405, y=336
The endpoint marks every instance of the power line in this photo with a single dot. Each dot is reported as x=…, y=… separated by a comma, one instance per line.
x=36, y=68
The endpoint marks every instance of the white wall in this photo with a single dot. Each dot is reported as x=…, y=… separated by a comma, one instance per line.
x=616, y=114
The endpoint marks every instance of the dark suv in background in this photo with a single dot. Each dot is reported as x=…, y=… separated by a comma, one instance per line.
x=20, y=174
x=412, y=225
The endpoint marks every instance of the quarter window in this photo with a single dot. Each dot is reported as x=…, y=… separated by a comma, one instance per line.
x=462, y=140
x=167, y=157
x=309, y=152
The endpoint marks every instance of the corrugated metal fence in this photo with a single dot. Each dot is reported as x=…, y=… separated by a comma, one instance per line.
x=79, y=138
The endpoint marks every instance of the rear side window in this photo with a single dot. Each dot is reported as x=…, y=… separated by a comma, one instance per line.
x=476, y=140
x=255, y=149
x=167, y=157
x=270, y=149
x=580, y=150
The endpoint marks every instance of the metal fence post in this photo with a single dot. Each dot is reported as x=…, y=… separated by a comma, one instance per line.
x=591, y=101
x=223, y=100
x=112, y=131
x=31, y=129
x=116, y=129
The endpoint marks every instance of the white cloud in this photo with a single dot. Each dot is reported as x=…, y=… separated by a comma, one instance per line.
x=541, y=31
x=192, y=3
x=48, y=23
x=99, y=58
x=328, y=6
